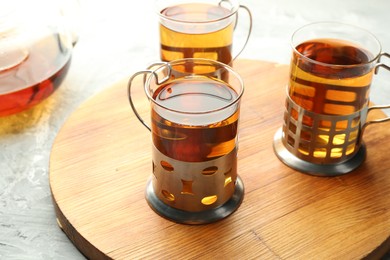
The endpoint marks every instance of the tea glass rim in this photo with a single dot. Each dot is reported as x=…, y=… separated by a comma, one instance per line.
x=195, y=60
x=367, y=32
x=233, y=11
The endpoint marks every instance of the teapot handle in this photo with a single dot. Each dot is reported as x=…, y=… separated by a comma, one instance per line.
x=70, y=10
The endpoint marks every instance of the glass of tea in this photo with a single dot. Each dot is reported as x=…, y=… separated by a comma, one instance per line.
x=199, y=29
x=331, y=71
x=194, y=129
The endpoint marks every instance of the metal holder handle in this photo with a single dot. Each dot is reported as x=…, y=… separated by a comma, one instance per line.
x=249, y=31
x=145, y=73
x=250, y=25
x=377, y=66
x=380, y=64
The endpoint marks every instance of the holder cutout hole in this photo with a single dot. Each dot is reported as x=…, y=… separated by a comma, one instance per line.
x=286, y=117
x=168, y=196
x=322, y=140
x=339, y=139
x=167, y=166
x=306, y=135
x=320, y=153
x=154, y=168
x=307, y=121
x=228, y=180
x=187, y=187
x=336, y=152
x=292, y=128
x=304, y=148
x=341, y=125
x=294, y=114
x=350, y=149
x=355, y=122
x=325, y=125
x=209, y=200
x=353, y=135
x=228, y=177
x=210, y=170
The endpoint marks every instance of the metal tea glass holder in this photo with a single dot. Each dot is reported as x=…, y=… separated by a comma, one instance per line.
x=191, y=192
x=313, y=149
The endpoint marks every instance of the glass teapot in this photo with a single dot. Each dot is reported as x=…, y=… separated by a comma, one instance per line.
x=35, y=53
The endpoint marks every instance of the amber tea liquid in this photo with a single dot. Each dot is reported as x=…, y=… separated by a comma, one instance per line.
x=194, y=137
x=196, y=38
x=340, y=89
x=35, y=78
x=333, y=78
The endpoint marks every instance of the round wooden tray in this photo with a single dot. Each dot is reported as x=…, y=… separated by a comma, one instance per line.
x=101, y=161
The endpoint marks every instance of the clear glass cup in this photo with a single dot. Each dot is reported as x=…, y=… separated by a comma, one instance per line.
x=331, y=71
x=194, y=129
x=199, y=29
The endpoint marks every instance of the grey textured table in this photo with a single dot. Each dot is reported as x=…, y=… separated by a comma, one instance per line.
x=118, y=38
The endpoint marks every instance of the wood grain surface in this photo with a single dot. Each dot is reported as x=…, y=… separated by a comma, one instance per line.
x=101, y=160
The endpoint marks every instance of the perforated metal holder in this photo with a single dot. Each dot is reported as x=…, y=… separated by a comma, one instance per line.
x=314, y=149
x=201, y=217
x=194, y=193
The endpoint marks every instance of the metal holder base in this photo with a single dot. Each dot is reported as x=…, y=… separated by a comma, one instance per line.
x=316, y=169
x=194, y=218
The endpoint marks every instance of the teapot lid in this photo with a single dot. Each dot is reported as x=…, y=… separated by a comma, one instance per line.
x=19, y=19
x=11, y=53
